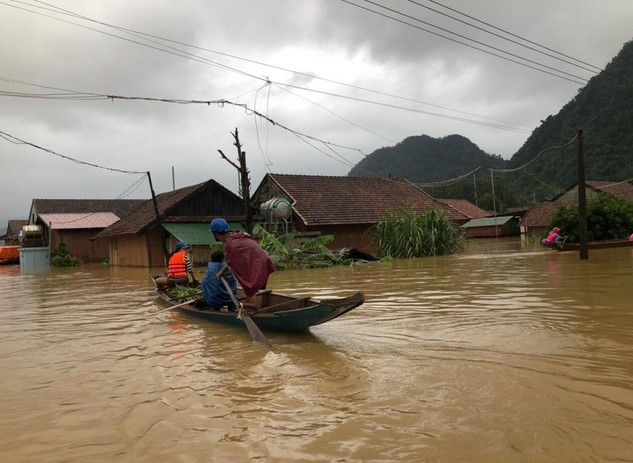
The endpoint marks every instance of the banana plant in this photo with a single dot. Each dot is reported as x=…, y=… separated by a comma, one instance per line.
x=285, y=257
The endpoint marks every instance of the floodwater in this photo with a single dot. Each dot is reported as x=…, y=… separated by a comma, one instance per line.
x=500, y=354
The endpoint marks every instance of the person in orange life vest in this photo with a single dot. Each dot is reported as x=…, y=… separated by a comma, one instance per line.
x=249, y=263
x=179, y=268
x=554, y=239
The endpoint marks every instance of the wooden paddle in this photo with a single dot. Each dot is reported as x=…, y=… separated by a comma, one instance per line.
x=252, y=328
x=178, y=305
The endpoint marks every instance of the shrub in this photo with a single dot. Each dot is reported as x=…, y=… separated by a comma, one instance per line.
x=60, y=257
x=406, y=233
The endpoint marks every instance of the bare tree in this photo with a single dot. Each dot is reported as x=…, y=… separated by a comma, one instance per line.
x=245, y=181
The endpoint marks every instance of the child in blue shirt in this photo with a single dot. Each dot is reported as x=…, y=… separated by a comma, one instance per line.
x=213, y=290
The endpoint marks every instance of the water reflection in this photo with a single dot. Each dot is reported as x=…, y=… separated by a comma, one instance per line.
x=503, y=353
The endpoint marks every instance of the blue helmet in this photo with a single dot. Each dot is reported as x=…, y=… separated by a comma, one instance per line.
x=181, y=245
x=219, y=226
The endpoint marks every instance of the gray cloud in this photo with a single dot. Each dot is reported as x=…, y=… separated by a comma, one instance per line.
x=329, y=39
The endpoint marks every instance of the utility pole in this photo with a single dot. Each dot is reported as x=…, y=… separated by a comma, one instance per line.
x=158, y=219
x=582, y=200
x=494, y=203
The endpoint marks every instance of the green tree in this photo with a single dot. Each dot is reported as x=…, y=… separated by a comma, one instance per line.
x=608, y=217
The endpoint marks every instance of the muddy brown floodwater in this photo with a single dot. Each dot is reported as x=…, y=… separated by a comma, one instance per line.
x=503, y=353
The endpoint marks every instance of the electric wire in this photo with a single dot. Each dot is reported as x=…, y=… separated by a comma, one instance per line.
x=593, y=69
x=580, y=81
x=597, y=68
x=200, y=59
x=18, y=141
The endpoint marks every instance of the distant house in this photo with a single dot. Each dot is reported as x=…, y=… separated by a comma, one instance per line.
x=145, y=237
x=536, y=221
x=345, y=207
x=467, y=208
x=622, y=190
x=492, y=227
x=76, y=221
x=14, y=226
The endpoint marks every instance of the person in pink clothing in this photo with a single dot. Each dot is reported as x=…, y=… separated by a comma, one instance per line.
x=554, y=239
x=249, y=263
x=631, y=237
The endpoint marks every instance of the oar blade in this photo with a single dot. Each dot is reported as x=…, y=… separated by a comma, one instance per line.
x=253, y=329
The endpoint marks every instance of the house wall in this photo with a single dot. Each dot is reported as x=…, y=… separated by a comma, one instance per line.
x=129, y=251
x=346, y=236
x=80, y=245
x=488, y=232
x=154, y=247
x=214, y=201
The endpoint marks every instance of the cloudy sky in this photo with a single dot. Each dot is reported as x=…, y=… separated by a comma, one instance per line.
x=339, y=78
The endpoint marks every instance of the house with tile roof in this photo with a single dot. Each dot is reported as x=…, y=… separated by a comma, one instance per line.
x=76, y=221
x=466, y=207
x=10, y=237
x=146, y=236
x=345, y=207
x=622, y=190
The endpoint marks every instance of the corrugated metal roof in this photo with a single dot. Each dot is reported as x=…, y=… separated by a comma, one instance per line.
x=79, y=221
x=195, y=233
x=487, y=222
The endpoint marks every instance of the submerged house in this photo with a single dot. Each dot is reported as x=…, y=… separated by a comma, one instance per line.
x=468, y=209
x=492, y=227
x=537, y=220
x=345, y=207
x=11, y=237
x=145, y=237
x=76, y=221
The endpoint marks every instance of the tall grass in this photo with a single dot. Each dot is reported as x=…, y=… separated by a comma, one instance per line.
x=406, y=233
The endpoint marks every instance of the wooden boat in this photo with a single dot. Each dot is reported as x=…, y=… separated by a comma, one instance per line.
x=275, y=312
x=598, y=245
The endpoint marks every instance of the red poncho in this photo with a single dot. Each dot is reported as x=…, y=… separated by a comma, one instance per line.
x=248, y=261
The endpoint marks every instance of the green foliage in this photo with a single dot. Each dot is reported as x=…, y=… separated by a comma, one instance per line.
x=185, y=292
x=608, y=217
x=423, y=159
x=599, y=108
x=405, y=233
x=313, y=253
x=60, y=257
x=328, y=258
x=605, y=117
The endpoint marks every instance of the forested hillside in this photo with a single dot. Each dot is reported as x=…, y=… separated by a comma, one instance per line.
x=423, y=159
x=603, y=109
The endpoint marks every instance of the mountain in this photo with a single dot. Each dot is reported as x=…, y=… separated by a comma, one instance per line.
x=603, y=109
x=423, y=159
x=547, y=163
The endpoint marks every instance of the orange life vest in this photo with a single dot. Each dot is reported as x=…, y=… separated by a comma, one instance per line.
x=177, y=265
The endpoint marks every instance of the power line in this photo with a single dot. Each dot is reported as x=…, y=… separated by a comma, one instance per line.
x=530, y=66
x=18, y=141
x=594, y=70
x=177, y=52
